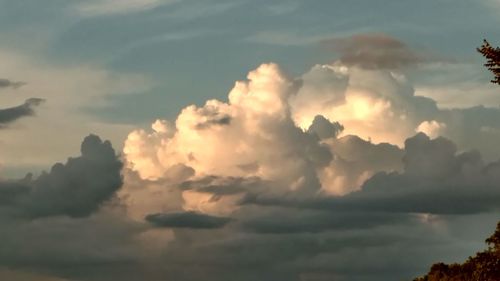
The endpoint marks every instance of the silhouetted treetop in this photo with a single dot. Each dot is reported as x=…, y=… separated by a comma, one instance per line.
x=485, y=266
x=492, y=56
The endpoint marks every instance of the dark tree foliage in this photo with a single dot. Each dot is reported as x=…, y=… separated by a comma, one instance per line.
x=492, y=56
x=484, y=266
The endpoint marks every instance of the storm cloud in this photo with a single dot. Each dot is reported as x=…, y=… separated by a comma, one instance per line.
x=342, y=173
x=76, y=189
x=435, y=180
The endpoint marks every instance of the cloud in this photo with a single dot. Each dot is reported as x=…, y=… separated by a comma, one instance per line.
x=13, y=275
x=114, y=7
x=376, y=51
x=79, y=88
x=435, y=180
x=6, y=83
x=356, y=160
x=253, y=133
x=431, y=128
x=49, y=245
x=287, y=221
x=358, y=99
x=76, y=189
x=307, y=178
x=187, y=220
x=373, y=188
x=9, y=115
x=324, y=129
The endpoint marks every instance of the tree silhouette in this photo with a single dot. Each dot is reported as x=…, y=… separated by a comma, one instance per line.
x=492, y=56
x=484, y=266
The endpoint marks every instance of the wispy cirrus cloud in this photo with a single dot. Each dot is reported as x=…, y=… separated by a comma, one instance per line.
x=116, y=7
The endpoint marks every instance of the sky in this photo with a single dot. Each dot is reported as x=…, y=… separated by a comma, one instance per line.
x=245, y=140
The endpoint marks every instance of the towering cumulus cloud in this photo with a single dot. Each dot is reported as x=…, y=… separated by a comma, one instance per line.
x=327, y=176
x=255, y=135
x=286, y=175
x=251, y=135
x=374, y=104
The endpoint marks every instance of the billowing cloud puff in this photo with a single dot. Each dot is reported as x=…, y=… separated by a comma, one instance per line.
x=356, y=160
x=325, y=129
x=76, y=189
x=252, y=135
x=381, y=106
x=431, y=128
x=325, y=133
x=374, y=104
x=435, y=180
x=292, y=173
x=313, y=178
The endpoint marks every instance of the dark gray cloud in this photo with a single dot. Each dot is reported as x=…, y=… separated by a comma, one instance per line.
x=215, y=120
x=334, y=239
x=220, y=186
x=436, y=179
x=9, y=115
x=475, y=127
x=80, y=250
x=187, y=220
x=324, y=129
x=356, y=155
x=305, y=221
x=76, y=188
x=6, y=83
x=341, y=254
x=376, y=51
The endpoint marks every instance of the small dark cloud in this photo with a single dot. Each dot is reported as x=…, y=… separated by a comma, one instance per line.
x=220, y=186
x=6, y=83
x=187, y=220
x=215, y=121
x=9, y=115
x=376, y=51
x=75, y=189
x=324, y=129
x=250, y=167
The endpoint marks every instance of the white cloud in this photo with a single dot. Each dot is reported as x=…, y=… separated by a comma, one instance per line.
x=254, y=129
x=262, y=132
x=374, y=104
x=431, y=128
